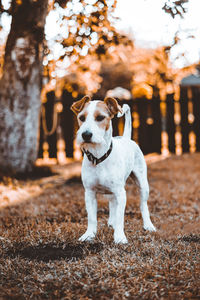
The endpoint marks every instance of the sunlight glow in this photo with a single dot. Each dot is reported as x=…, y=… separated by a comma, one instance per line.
x=151, y=27
x=143, y=20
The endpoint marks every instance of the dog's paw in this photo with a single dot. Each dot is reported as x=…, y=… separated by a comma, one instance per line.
x=120, y=239
x=87, y=236
x=149, y=227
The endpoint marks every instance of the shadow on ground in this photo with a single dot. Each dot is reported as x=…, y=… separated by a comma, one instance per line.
x=49, y=252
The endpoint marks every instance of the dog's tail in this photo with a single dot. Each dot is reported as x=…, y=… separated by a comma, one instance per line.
x=128, y=124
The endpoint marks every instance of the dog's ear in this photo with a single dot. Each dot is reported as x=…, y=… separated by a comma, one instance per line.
x=113, y=106
x=78, y=106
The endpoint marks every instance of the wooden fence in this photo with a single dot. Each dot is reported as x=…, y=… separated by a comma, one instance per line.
x=158, y=126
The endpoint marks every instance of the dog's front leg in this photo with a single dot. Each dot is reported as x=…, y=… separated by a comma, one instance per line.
x=120, y=198
x=91, y=207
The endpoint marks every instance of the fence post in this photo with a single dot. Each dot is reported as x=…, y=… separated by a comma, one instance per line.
x=142, y=138
x=196, y=112
x=156, y=126
x=67, y=123
x=170, y=123
x=150, y=125
x=49, y=109
x=184, y=119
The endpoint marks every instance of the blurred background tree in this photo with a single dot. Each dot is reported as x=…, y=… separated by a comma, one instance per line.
x=87, y=41
x=20, y=85
x=22, y=73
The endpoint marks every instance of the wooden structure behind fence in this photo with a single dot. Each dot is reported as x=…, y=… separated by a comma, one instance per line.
x=158, y=126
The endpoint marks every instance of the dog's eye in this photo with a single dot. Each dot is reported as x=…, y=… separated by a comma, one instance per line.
x=100, y=118
x=82, y=118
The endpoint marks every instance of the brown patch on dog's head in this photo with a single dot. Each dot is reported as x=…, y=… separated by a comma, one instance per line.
x=78, y=106
x=83, y=115
x=113, y=106
x=102, y=115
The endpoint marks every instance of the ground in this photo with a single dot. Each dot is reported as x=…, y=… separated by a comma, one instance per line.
x=41, y=220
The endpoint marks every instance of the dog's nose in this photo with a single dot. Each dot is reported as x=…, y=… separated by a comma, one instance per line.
x=86, y=135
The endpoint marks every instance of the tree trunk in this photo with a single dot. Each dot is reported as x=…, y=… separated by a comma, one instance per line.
x=20, y=87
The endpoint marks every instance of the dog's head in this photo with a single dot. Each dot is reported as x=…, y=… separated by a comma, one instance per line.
x=94, y=119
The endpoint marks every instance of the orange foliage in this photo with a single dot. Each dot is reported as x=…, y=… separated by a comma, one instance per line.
x=96, y=57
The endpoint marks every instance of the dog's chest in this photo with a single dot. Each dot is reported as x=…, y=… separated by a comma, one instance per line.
x=99, y=178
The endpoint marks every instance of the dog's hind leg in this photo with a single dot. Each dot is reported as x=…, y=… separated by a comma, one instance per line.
x=91, y=207
x=140, y=172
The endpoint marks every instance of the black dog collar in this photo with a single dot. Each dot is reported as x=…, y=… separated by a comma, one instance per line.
x=96, y=160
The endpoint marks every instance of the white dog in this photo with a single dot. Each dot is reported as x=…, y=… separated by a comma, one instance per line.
x=107, y=164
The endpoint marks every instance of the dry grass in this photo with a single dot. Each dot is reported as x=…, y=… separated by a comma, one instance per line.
x=41, y=258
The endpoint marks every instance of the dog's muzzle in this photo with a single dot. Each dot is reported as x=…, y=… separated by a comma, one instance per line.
x=87, y=135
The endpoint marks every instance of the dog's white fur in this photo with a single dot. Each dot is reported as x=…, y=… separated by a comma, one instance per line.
x=110, y=175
